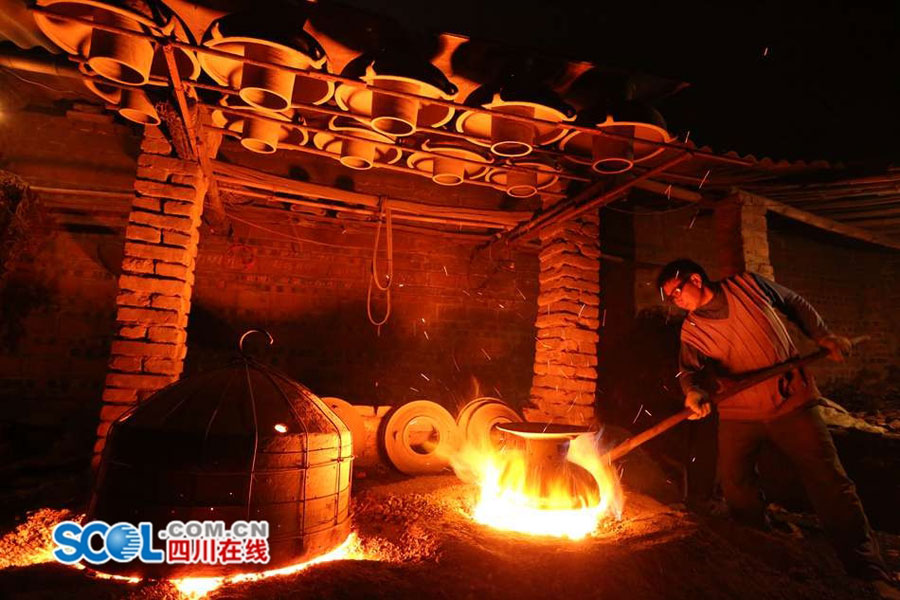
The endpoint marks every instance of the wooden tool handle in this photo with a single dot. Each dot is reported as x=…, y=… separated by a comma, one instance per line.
x=739, y=386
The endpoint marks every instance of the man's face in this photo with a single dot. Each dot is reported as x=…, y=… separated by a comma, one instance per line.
x=684, y=292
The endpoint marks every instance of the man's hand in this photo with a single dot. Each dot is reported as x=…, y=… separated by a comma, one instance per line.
x=838, y=347
x=697, y=401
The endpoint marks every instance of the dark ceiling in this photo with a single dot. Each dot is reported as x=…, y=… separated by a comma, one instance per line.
x=789, y=79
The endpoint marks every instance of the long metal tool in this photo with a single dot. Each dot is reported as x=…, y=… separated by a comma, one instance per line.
x=739, y=385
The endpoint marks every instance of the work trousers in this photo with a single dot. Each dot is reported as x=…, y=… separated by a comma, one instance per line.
x=803, y=437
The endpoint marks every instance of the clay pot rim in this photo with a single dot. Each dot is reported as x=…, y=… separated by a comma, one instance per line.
x=553, y=173
x=421, y=162
x=657, y=134
x=235, y=124
x=344, y=92
x=544, y=134
x=400, y=67
x=182, y=33
x=44, y=21
x=322, y=140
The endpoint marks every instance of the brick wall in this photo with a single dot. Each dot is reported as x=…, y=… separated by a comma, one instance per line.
x=856, y=288
x=459, y=326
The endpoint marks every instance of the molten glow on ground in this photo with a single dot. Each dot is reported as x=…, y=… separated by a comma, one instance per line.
x=31, y=543
x=509, y=498
x=194, y=588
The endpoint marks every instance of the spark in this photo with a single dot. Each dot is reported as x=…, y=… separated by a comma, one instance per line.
x=425, y=333
x=518, y=291
x=424, y=376
x=582, y=309
x=399, y=285
x=679, y=374
x=445, y=271
x=669, y=192
x=696, y=214
x=702, y=181
x=766, y=51
x=423, y=320
x=649, y=414
x=637, y=415
x=413, y=389
x=466, y=292
x=486, y=354
x=662, y=296
x=693, y=458
x=603, y=321
x=687, y=136
x=455, y=364
x=499, y=395
x=500, y=305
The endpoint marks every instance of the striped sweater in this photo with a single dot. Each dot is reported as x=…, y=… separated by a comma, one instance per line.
x=739, y=332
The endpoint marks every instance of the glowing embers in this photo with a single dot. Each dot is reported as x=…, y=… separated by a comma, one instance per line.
x=120, y=57
x=363, y=150
x=546, y=480
x=259, y=131
x=524, y=183
x=258, y=36
x=455, y=164
x=636, y=131
x=509, y=137
x=390, y=114
x=419, y=437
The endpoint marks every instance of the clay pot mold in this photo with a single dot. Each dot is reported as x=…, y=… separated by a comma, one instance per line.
x=389, y=114
x=419, y=437
x=511, y=138
x=122, y=58
x=258, y=135
x=522, y=184
x=359, y=153
x=608, y=155
x=265, y=37
x=447, y=169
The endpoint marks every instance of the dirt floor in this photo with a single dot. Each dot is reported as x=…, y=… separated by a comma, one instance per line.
x=426, y=545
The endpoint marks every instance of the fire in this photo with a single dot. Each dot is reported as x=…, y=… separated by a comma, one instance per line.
x=31, y=542
x=517, y=495
x=194, y=588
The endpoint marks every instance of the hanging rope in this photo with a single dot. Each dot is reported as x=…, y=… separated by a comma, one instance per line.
x=384, y=215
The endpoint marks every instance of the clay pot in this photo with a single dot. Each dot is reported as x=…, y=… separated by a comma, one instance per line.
x=360, y=153
x=448, y=169
x=524, y=184
x=136, y=106
x=122, y=58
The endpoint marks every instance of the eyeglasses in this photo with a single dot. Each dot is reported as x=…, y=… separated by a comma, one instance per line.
x=675, y=293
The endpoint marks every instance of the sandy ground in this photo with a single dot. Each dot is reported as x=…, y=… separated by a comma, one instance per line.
x=428, y=547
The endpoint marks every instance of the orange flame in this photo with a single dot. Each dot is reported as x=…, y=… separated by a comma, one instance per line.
x=512, y=496
x=31, y=543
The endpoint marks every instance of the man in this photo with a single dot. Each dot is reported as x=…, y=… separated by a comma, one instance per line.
x=732, y=328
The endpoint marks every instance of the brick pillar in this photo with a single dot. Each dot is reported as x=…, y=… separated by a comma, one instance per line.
x=154, y=295
x=565, y=358
x=743, y=236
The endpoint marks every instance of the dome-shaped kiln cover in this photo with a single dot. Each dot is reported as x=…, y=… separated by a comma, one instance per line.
x=240, y=443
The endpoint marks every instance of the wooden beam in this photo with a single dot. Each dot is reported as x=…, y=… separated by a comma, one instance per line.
x=586, y=200
x=218, y=220
x=238, y=175
x=821, y=222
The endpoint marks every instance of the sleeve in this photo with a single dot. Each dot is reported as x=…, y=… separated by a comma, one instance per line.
x=690, y=363
x=794, y=306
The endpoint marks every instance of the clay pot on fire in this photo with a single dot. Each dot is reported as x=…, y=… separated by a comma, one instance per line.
x=267, y=37
x=389, y=114
x=258, y=130
x=119, y=57
x=512, y=138
x=448, y=169
x=636, y=128
x=362, y=152
x=524, y=184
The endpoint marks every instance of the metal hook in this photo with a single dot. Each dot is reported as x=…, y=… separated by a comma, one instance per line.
x=248, y=332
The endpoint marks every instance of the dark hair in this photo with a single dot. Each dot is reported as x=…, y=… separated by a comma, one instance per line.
x=680, y=269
